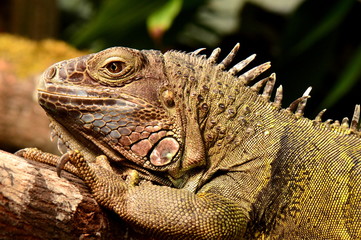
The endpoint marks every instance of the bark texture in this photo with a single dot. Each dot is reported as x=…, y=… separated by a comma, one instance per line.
x=36, y=204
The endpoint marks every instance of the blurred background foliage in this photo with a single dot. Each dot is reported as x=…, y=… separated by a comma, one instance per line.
x=310, y=43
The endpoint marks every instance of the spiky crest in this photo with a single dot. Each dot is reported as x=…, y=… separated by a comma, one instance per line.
x=355, y=119
x=241, y=65
x=250, y=75
x=301, y=106
x=260, y=84
x=296, y=107
x=318, y=118
x=196, y=52
x=229, y=58
x=214, y=55
x=344, y=123
x=267, y=91
x=278, y=97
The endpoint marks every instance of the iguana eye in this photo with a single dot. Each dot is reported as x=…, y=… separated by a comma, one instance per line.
x=115, y=66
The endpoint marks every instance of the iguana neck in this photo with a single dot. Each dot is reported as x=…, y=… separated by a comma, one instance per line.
x=227, y=113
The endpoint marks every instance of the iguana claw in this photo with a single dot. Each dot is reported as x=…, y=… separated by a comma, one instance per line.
x=63, y=160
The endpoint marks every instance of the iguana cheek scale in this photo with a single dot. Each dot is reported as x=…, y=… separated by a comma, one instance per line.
x=221, y=160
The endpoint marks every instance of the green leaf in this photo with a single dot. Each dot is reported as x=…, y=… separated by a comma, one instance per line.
x=161, y=20
x=116, y=20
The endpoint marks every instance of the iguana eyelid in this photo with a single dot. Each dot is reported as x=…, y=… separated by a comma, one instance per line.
x=133, y=61
x=115, y=59
x=123, y=73
x=104, y=75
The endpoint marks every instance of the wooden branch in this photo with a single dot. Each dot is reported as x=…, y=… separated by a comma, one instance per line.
x=36, y=204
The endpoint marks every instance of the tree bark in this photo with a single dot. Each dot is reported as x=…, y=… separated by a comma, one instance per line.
x=36, y=204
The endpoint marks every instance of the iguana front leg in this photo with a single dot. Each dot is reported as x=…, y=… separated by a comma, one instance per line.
x=159, y=211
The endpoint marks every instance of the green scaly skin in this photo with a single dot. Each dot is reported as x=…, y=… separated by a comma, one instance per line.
x=213, y=157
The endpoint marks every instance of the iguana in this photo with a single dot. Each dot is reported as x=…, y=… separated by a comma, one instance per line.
x=183, y=147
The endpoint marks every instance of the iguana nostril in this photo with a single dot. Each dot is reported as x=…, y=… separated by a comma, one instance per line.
x=50, y=74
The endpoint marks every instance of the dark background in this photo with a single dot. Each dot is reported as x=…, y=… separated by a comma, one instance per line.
x=314, y=43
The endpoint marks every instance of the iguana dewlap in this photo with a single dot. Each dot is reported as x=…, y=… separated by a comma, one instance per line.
x=196, y=152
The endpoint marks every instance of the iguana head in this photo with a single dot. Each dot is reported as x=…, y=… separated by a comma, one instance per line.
x=114, y=103
x=162, y=112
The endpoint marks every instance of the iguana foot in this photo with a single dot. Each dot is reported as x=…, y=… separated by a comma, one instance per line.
x=98, y=176
x=106, y=186
x=73, y=161
x=44, y=157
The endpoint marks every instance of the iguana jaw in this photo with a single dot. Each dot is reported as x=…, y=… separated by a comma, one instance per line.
x=66, y=142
